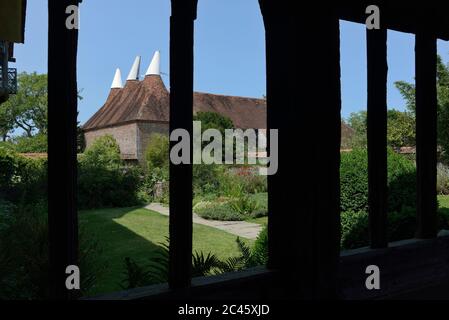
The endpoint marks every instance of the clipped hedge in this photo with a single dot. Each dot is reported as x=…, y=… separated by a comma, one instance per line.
x=354, y=181
x=21, y=178
x=103, y=181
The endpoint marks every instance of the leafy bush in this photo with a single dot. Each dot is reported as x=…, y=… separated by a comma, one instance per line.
x=103, y=153
x=103, y=181
x=157, y=152
x=222, y=211
x=244, y=205
x=401, y=225
x=354, y=181
x=260, y=248
x=24, y=260
x=148, y=191
x=35, y=144
x=207, y=178
x=21, y=178
x=103, y=187
x=442, y=179
x=354, y=229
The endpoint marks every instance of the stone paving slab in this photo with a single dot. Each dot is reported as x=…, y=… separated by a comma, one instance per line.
x=239, y=228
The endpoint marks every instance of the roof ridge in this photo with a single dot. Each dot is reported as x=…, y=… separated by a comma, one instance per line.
x=227, y=95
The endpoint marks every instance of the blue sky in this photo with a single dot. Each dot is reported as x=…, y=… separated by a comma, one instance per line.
x=229, y=49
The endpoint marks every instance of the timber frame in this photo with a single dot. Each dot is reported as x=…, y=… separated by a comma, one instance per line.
x=304, y=241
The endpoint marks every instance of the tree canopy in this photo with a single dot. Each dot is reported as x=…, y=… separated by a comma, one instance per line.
x=26, y=110
x=407, y=91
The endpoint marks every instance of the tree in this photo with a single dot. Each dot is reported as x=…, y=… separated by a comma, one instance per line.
x=213, y=120
x=357, y=121
x=407, y=91
x=27, y=109
x=400, y=128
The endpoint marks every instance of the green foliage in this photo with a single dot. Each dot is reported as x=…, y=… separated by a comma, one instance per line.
x=156, y=271
x=354, y=229
x=244, y=205
x=357, y=121
x=400, y=129
x=407, y=91
x=26, y=110
x=442, y=179
x=354, y=181
x=260, y=249
x=21, y=178
x=213, y=120
x=103, y=181
x=100, y=187
x=24, y=144
x=24, y=260
x=207, y=178
x=157, y=152
x=103, y=153
x=218, y=210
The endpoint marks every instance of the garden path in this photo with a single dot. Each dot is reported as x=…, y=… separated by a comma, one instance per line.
x=239, y=228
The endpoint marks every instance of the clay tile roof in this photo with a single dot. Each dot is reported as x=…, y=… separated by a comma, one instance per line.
x=244, y=112
x=146, y=100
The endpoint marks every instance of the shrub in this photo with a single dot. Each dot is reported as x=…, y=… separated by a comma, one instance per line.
x=103, y=153
x=244, y=205
x=401, y=225
x=260, y=249
x=35, y=144
x=207, y=178
x=103, y=181
x=354, y=229
x=157, y=152
x=354, y=181
x=222, y=211
x=24, y=259
x=21, y=178
x=104, y=187
x=442, y=179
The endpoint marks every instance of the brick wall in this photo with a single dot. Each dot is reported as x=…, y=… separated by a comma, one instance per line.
x=144, y=131
x=126, y=136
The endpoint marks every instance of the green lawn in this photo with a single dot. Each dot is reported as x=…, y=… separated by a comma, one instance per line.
x=137, y=233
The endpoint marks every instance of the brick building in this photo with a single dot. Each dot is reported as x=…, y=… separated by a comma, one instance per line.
x=137, y=109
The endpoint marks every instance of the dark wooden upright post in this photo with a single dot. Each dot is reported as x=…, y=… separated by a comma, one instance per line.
x=377, y=135
x=181, y=117
x=426, y=129
x=276, y=39
x=62, y=121
x=303, y=62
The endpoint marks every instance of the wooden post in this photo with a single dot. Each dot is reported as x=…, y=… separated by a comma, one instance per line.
x=181, y=117
x=62, y=122
x=377, y=136
x=276, y=40
x=304, y=239
x=426, y=131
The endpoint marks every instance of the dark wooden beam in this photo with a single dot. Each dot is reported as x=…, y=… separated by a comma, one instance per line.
x=181, y=117
x=276, y=40
x=377, y=135
x=426, y=129
x=304, y=238
x=62, y=122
